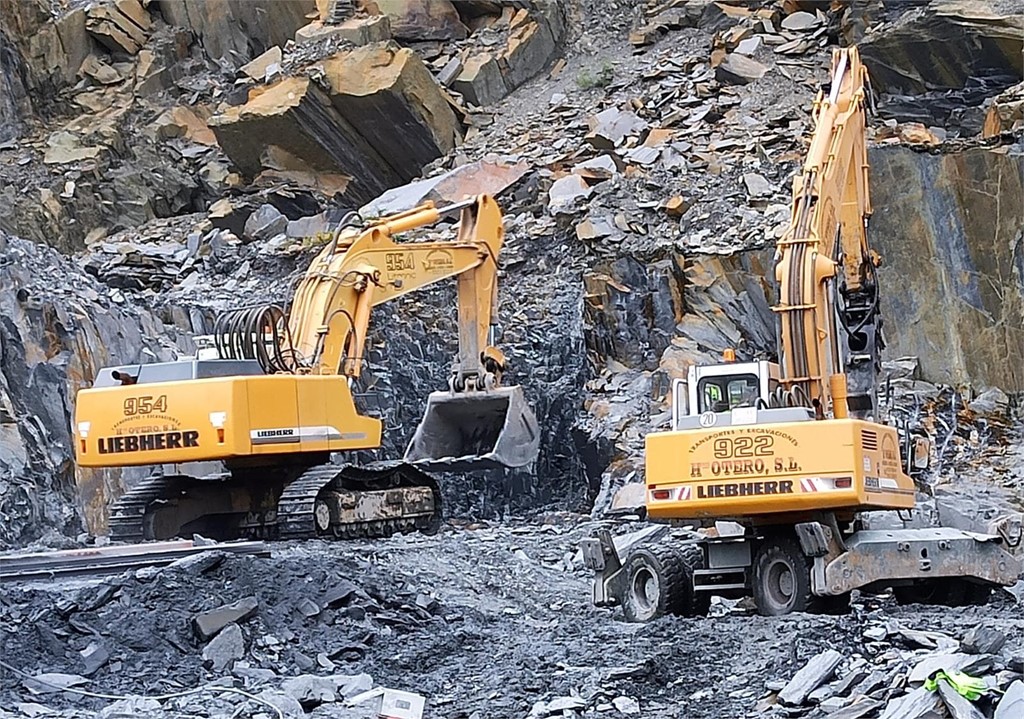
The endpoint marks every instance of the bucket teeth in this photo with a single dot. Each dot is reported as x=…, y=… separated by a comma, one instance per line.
x=471, y=431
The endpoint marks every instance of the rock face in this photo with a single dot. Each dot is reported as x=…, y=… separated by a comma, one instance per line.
x=380, y=118
x=1006, y=114
x=942, y=45
x=657, y=319
x=532, y=44
x=422, y=19
x=51, y=49
x=57, y=327
x=954, y=247
x=481, y=81
x=937, y=64
x=238, y=30
x=632, y=310
x=121, y=26
x=14, y=102
x=542, y=336
x=358, y=31
x=387, y=94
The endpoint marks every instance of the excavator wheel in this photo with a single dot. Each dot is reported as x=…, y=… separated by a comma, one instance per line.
x=656, y=583
x=782, y=577
x=694, y=604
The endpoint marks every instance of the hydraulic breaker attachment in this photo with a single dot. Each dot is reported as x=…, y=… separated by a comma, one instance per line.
x=475, y=430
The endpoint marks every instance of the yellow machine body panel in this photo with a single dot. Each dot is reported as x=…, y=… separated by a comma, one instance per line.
x=776, y=468
x=219, y=418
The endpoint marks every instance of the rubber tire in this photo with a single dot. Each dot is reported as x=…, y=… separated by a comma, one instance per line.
x=775, y=556
x=655, y=583
x=694, y=604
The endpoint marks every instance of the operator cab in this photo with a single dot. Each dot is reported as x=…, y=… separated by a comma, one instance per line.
x=732, y=393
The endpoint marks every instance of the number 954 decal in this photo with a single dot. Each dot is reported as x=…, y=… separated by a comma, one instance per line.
x=145, y=405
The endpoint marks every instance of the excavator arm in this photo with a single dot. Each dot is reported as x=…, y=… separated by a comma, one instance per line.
x=830, y=339
x=330, y=315
x=476, y=423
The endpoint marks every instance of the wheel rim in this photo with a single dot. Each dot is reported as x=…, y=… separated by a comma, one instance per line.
x=780, y=583
x=645, y=590
x=322, y=516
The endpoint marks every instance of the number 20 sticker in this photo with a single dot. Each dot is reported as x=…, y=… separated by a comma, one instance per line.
x=708, y=419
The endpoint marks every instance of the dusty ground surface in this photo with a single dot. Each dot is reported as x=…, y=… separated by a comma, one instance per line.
x=486, y=621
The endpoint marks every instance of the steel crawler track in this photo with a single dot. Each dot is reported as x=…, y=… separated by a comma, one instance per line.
x=110, y=559
x=295, y=506
x=128, y=514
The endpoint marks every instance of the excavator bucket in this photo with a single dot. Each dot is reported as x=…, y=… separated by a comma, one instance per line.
x=475, y=430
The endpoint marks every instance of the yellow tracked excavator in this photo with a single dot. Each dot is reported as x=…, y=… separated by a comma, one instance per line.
x=793, y=454
x=241, y=442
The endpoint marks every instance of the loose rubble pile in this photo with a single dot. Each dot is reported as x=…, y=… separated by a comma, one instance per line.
x=906, y=673
x=500, y=628
x=274, y=638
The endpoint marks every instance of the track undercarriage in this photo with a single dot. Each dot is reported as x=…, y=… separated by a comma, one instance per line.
x=327, y=501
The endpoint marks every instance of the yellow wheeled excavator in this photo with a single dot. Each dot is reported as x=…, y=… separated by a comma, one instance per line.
x=273, y=405
x=790, y=456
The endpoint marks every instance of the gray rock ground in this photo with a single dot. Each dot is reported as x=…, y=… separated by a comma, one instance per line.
x=485, y=621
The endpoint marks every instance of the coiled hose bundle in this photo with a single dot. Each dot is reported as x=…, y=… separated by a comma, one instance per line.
x=257, y=333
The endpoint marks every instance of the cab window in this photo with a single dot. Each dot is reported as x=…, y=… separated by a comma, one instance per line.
x=721, y=394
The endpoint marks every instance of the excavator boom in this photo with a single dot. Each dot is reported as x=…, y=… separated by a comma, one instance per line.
x=825, y=269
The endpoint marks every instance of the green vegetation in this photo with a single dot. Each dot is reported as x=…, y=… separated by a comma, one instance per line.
x=587, y=80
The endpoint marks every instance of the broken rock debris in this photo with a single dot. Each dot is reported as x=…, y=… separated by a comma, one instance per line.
x=209, y=623
x=810, y=677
